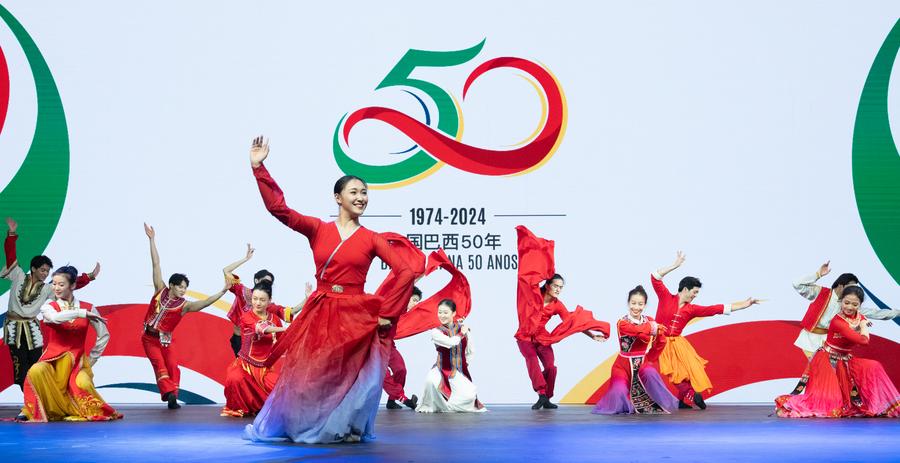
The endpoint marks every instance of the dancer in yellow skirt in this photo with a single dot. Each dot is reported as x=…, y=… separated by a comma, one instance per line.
x=60, y=385
x=679, y=361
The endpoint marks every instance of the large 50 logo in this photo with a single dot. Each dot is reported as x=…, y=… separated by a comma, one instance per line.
x=436, y=146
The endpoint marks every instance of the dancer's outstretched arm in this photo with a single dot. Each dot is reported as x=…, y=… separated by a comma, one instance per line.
x=158, y=283
x=230, y=268
x=272, y=195
x=662, y=271
x=196, y=306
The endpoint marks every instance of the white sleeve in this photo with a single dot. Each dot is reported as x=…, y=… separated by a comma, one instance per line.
x=807, y=286
x=102, y=337
x=14, y=273
x=441, y=339
x=879, y=314
x=52, y=316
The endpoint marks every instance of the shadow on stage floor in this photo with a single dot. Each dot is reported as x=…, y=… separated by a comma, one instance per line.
x=722, y=433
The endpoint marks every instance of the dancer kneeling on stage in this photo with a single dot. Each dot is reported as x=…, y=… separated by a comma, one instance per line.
x=164, y=312
x=635, y=385
x=27, y=294
x=839, y=384
x=248, y=381
x=60, y=385
x=448, y=386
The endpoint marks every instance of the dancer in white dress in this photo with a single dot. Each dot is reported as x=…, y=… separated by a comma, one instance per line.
x=448, y=387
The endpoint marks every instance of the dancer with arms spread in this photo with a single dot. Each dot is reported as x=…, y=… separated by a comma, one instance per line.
x=678, y=360
x=337, y=350
x=165, y=311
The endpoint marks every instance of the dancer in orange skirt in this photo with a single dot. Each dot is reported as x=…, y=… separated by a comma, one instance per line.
x=678, y=360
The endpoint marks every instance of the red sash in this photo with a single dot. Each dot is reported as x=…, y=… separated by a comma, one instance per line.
x=816, y=310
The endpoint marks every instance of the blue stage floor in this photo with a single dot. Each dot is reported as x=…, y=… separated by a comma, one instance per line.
x=722, y=433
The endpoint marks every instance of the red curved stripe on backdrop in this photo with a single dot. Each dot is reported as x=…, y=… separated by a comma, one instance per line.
x=201, y=339
x=4, y=89
x=750, y=352
x=473, y=159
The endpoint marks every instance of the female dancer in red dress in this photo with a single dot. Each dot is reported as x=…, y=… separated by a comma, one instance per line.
x=330, y=383
x=635, y=385
x=841, y=385
x=537, y=305
x=248, y=381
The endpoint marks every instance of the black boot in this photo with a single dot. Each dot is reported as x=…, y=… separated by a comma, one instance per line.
x=411, y=402
x=683, y=406
x=393, y=405
x=172, y=401
x=698, y=401
x=549, y=405
x=542, y=399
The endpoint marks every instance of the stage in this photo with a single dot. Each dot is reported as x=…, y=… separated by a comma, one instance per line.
x=722, y=433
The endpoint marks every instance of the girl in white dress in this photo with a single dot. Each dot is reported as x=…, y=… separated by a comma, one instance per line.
x=448, y=387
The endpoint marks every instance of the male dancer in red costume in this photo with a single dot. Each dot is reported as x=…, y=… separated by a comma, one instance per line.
x=679, y=361
x=395, y=377
x=166, y=309
x=27, y=293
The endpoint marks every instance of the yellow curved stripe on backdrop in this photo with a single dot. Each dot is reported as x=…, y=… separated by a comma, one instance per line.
x=562, y=130
x=220, y=304
x=582, y=391
x=543, y=119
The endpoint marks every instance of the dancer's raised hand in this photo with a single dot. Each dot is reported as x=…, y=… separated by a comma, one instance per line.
x=12, y=225
x=824, y=269
x=259, y=151
x=151, y=233
x=679, y=259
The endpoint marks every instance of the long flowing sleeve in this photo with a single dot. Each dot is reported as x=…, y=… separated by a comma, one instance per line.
x=407, y=262
x=579, y=321
x=536, y=264
x=102, y=337
x=442, y=340
x=273, y=198
x=423, y=316
x=52, y=316
x=807, y=286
